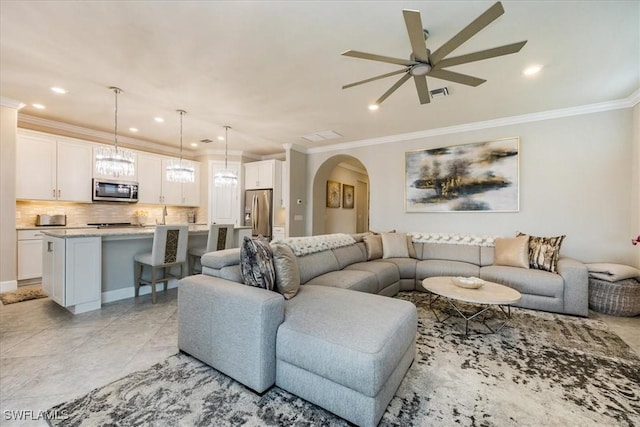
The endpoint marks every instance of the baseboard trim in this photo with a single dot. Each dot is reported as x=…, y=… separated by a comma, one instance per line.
x=125, y=293
x=8, y=285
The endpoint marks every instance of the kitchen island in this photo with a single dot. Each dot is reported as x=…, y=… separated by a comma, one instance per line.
x=83, y=268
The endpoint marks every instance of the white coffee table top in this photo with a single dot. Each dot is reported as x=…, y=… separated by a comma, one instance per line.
x=488, y=293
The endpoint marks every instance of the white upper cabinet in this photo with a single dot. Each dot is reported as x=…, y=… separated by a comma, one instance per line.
x=149, y=178
x=49, y=168
x=260, y=174
x=154, y=188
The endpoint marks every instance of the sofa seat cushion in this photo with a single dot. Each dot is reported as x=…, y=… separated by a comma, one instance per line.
x=406, y=266
x=355, y=280
x=525, y=281
x=386, y=272
x=437, y=267
x=350, y=338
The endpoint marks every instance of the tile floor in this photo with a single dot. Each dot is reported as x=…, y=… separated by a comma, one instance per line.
x=48, y=355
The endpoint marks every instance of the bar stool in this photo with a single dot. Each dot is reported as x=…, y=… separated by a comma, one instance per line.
x=169, y=250
x=220, y=237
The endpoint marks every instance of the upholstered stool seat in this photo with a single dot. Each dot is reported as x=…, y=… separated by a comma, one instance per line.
x=169, y=250
x=220, y=237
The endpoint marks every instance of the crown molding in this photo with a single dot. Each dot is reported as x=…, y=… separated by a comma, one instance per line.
x=10, y=103
x=79, y=131
x=627, y=102
x=295, y=147
x=276, y=156
x=221, y=152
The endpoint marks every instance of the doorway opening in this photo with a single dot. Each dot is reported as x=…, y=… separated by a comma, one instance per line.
x=340, y=196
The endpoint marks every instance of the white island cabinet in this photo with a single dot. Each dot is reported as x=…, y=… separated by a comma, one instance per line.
x=72, y=271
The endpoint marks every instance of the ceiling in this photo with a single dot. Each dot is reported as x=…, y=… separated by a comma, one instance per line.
x=272, y=70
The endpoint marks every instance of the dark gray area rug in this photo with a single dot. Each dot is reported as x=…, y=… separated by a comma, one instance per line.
x=541, y=370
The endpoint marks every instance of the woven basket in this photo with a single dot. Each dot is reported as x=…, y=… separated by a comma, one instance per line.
x=615, y=298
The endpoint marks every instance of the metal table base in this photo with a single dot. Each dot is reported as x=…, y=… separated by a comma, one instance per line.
x=481, y=312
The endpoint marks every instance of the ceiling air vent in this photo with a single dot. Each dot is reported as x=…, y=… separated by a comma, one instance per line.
x=321, y=136
x=439, y=93
x=206, y=141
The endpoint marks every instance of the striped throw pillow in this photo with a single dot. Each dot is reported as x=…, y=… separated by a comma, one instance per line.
x=544, y=252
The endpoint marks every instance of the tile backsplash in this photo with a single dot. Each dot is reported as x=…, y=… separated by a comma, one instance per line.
x=79, y=214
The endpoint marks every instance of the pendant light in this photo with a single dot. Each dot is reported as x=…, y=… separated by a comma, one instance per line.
x=226, y=177
x=114, y=161
x=181, y=170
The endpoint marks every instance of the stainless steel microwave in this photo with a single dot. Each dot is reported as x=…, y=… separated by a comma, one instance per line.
x=105, y=190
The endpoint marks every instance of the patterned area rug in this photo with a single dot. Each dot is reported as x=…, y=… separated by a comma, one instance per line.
x=541, y=370
x=20, y=295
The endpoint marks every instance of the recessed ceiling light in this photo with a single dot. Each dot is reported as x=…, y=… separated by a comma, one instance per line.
x=59, y=90
x=530, y=71
x=159, y=119
x=373, y=107
x=133, y=129
x=39, y=106
x=221, y=138
x=194, y=144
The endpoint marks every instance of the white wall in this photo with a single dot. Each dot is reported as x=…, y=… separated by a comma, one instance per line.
x=575, y=179
x=8, y=130
x=635, y=184
x=341, y=220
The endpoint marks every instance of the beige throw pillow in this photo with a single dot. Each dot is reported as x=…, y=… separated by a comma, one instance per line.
x=410, y=247
x=394, y=245
x=287, y=273
x=373, y=243
x=512, y=252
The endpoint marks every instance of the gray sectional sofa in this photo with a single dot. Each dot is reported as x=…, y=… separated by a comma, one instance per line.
x=345, y=351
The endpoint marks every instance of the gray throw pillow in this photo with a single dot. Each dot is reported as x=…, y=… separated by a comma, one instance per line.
x=394, y=245
x=373, y=243
x=256, y=264
x=287, y=272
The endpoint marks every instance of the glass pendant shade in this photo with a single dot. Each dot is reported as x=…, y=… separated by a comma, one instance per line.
x=226, y=177
x=115, y=161
x=180, y=170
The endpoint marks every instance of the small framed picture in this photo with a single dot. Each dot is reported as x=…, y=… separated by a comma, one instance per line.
x=347, y=196
x=333, y=194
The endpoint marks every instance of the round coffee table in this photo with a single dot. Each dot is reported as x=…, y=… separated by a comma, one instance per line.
x=489, y=295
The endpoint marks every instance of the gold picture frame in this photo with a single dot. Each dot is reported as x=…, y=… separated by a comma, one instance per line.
x=333, y=194
x=347, y=196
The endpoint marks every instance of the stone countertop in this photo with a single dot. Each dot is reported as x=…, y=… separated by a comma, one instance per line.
x=54, y=227
x=113, y=232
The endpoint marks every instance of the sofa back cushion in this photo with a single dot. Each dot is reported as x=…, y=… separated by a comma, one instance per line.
x=451, y=252
x=315, y=264
x=348, y=255
x=486, y=255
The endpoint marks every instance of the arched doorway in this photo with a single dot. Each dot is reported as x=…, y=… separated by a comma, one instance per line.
x=348, y=192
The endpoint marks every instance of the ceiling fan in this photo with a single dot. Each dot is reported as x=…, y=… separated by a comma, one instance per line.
x=422, y=63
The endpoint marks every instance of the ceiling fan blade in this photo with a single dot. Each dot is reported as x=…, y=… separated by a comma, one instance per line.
x=480, y=55
x=380, y=58
x=416, y=35
x=392, y=89
x=456, y=77
x=467, y=32
x=382, y=76
x=422, y=88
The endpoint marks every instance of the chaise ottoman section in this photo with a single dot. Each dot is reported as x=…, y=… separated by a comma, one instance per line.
x=345, y=351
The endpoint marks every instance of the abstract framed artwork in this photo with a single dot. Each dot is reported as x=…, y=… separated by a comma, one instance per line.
x=333, y=194
x=482, y=176
x=347, y=196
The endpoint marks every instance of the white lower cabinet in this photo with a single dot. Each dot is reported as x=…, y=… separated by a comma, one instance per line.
x=29, y=254
x=72, y=273
x=279, y=233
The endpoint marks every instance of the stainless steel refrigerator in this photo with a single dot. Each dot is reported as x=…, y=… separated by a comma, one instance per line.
x=258, y=207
